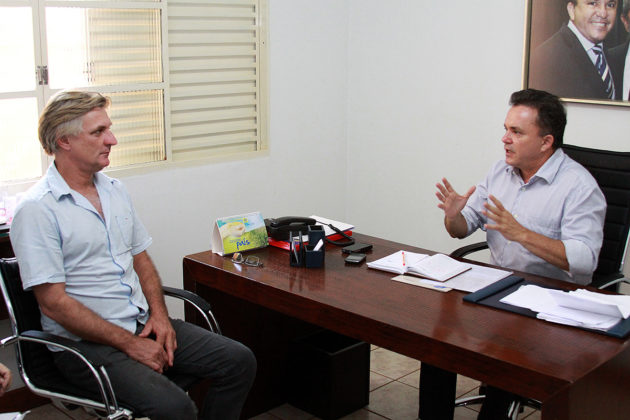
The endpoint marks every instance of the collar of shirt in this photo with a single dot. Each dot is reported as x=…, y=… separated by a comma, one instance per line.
x=59, y=187
x=547, y=171
x=586, y=44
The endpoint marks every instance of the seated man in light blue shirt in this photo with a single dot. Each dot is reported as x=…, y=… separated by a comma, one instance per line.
x=82, y=249
x=543, y=214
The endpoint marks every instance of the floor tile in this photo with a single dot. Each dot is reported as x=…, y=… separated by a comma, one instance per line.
x=535, y=415
x=363, y=414
x=395, y=401
x=392, y=365
x=465, y=385
x=463, y=413
x=288, y=412
x=413, y=379
x=377, y=380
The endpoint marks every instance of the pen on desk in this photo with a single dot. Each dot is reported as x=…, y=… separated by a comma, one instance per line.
x=403, y=258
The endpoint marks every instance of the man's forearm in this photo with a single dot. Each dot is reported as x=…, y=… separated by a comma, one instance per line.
x=550, y=250
x=457, y=226
x=79, y=319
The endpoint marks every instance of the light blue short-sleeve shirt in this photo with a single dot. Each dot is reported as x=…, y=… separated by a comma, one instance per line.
x=561, y=201
x=59, y=237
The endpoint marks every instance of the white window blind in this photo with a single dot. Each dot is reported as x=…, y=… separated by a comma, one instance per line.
x=196, y=91
x=117, y=51
x=216, y=95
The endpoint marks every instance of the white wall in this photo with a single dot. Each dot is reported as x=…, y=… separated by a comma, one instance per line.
x=371, y=103
x=304, y=172
x=428, y=90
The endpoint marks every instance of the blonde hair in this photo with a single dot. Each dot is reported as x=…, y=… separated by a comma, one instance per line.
x=63, y=116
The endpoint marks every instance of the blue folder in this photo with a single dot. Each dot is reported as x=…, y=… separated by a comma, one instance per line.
x=492, y=294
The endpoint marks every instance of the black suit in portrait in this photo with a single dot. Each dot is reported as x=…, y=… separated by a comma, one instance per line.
x=617, y=61
x=560, y=65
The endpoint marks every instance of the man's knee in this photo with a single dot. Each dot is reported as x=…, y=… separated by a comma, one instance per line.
x=245, y=362
x=176, y=407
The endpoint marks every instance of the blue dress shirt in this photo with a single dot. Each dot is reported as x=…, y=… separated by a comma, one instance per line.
x=561, y=201
x=59, y=237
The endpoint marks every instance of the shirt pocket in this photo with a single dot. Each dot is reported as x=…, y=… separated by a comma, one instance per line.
x=123, y=234
x=544, y=224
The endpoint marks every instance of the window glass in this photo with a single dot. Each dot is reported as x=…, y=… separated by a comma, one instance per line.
x=21, y=153
x=101, y=47
x=16, y=47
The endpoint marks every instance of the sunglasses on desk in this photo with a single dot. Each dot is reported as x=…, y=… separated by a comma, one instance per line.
x=252, y=260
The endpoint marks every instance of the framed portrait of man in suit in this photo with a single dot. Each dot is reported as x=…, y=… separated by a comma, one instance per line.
x=578, y=49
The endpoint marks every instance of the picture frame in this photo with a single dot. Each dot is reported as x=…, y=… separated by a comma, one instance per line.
x=553, y=62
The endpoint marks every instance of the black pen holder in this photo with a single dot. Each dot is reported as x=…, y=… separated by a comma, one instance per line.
x=315, y=233
x=297, y=249
x=314, y=259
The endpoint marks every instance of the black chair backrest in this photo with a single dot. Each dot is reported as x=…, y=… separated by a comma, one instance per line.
x=611, y=170
x=36, y=360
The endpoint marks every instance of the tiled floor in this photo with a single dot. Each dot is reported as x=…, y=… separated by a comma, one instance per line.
x=393, y=395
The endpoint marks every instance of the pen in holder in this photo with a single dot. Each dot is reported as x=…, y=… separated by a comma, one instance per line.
x=315, y=233
x=315, y=252
x=296, y=249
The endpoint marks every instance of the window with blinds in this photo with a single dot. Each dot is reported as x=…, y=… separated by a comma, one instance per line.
x=194, y=92
x=215, y=65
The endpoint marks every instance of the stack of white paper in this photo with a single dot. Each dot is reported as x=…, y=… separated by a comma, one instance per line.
x=580, y=308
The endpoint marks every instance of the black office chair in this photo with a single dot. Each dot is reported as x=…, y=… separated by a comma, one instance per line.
x=35, y=362
x=611, y=170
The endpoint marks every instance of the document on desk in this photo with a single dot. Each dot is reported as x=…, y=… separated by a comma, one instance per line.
x=476, y=278
x=580, y=308
x=438, y=267
x=473, y=278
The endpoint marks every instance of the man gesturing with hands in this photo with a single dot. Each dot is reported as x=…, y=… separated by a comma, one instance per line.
x=543, y=213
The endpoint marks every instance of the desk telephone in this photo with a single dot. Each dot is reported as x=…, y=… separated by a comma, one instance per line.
x=280, y=228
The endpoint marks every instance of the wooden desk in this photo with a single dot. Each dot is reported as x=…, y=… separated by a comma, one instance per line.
x=575, y=374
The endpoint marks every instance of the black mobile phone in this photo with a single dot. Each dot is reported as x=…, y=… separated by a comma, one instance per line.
x=355, y=258
x=358, y=247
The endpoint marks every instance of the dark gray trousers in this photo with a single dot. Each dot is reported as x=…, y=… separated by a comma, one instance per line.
x=200, y=354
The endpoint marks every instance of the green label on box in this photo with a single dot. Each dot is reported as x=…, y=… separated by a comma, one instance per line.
x=243, y=232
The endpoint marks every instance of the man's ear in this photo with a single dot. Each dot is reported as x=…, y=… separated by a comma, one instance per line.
x=63, y=143
x=571, y=10
x=626, y=22
x=547, y=142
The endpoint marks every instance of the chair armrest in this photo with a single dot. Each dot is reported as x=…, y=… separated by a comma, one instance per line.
x=469, y=249
x=51, y=340
x=200, y=304
x=98, y=371
x=614, y=282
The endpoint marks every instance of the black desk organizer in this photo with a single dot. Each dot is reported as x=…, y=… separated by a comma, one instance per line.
x=493, y=293
x=304, y=255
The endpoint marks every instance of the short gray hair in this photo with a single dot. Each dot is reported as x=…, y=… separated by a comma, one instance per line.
x=63, y=116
